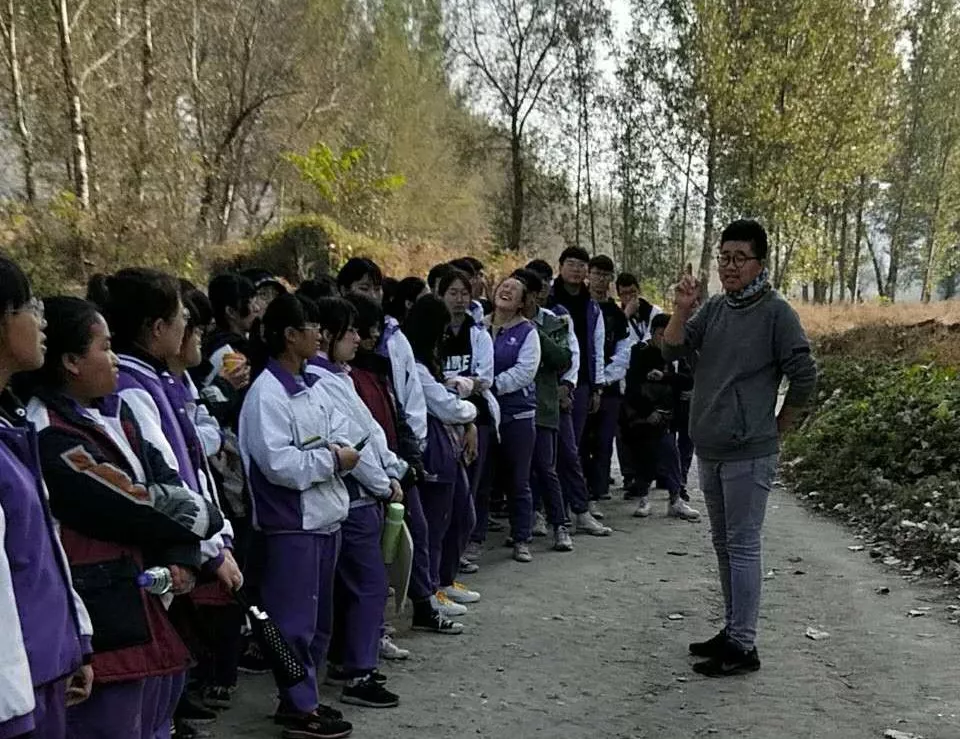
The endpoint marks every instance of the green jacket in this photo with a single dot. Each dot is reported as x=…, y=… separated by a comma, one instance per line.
x=555, y=358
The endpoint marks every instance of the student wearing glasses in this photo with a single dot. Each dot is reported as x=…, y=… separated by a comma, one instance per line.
x=745, y=339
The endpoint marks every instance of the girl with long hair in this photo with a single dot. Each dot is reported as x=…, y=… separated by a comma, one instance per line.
x=296, y=447
x=121, y=510
x=516, y=360
x=451, y=441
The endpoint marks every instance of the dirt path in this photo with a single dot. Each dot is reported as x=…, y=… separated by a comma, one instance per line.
x=580, y=646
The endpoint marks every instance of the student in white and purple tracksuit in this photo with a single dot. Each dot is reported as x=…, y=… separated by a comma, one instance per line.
x=602, y=426
x=121, y=510
x=148, y=321
x=219, y=640
x=452, y=439
x=554, y=360
x=467, y=351
x=45, y=640
x=639, y=312
x=571, y=292
x=296, y=447
x=569, y=469
x=373, y=381
x=360, y=276
x=516, y=359
x=361, y=587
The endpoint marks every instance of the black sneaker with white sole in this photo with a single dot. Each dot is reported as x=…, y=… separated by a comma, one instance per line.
x=288, y=716
x=434, y=622
x=337, y=676
x=731, y=660
x=711, y=647
x=312, y=726
x=367, y=692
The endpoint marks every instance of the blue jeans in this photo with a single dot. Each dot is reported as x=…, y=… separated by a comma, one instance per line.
x=736, y=496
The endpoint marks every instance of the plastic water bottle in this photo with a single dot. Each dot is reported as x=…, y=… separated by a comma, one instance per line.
x=391, y=532
x=156, y=580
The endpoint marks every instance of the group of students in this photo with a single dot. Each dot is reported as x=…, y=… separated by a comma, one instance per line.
x=249, y=436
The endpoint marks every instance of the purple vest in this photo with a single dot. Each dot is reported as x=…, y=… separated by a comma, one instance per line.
x=390, y=327
x=506, y=350
x=169, y=395
x=48, y=617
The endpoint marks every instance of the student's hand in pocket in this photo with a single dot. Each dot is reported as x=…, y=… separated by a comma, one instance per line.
x=80, y=685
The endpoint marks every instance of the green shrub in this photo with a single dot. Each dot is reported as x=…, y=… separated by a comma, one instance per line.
x=883, y=446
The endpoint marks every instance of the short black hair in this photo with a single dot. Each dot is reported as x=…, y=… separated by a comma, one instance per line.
x=530, y=279
x=574, y=252
x=464, y=265
x=750, y=231
x=627, y=279
x=408, y=290
x=138, y=297
x=198, y=307
x=659, y=321
x=356, y=269
x=542, y=268
x=14, y=286
x=602, y=263
x=230, y=290
x=323, y=286
x=454, y=275
x=438, y=272
x=476, y=263
x=369, y=314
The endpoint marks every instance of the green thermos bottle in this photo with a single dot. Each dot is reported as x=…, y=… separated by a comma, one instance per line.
x=392, y=527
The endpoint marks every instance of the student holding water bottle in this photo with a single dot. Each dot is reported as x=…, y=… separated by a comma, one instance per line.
x=361, y=583
x=121, y=510
x=296, y=448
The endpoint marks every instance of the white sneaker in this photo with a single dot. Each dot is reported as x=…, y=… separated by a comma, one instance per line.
x=446, y=607
x=680, y=509
x=643, y=508
x=587, y=524
x=461, y=594
x=540, y=525
x=389, y=650
x=474, y=551
x=595, y=510
x=561, y=540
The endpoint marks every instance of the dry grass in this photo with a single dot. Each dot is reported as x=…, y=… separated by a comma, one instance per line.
x=908, y=332
x=824, y=320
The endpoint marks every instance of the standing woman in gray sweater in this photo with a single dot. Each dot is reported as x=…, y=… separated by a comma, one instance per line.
x=744, y=341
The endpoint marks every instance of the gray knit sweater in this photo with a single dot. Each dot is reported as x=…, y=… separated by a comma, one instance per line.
x=741, y=355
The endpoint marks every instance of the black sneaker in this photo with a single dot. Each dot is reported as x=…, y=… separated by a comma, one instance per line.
x=337, y=676
x=216, y=697
x=252, y=661
x=731, y=661
x=435, y=623
x=191, y=712
x=711, y=647
x=286, y=716
x=312, y=726
x=367, y=692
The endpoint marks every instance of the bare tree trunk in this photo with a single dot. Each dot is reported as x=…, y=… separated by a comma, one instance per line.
x=23, y=134
x=931, y=251
x=517, y=200
x=590, y=211
x=709, y=208
x=146, y=101
x=842, y=253
x=685, y=209
x=854, y=283
x=576, y=197
x=877, y=270
x=81, y=174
